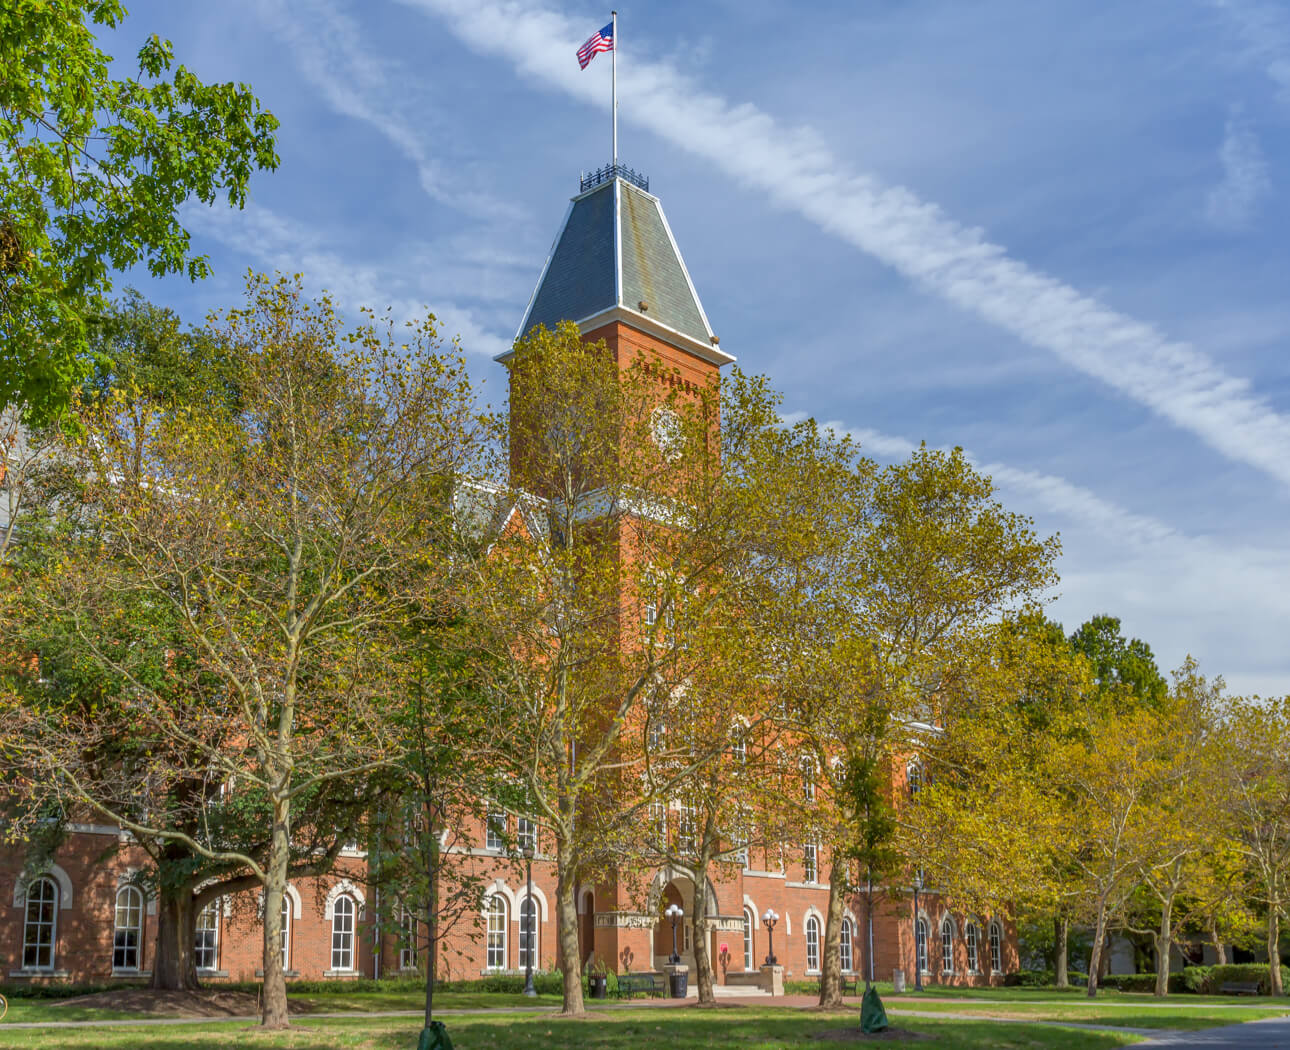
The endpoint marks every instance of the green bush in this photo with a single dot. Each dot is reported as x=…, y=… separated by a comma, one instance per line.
x=1029, y=979
x=1193, y=979
x=1130, y=982
x=1243, y=972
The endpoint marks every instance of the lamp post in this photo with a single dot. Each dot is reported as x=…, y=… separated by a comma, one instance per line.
x=674, y=912
x=918, y=962
x=529, y=920
x=770, y=918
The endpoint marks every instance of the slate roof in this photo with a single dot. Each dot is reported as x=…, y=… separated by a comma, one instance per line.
x=616, y=250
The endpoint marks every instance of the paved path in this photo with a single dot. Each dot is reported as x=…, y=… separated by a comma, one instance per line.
x=1271, y=1034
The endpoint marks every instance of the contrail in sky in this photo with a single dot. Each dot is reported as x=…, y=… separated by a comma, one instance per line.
x=795, y=168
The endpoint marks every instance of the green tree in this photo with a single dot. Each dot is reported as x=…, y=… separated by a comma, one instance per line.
x=93, y=174
x=289, y=542
x=1123, y=669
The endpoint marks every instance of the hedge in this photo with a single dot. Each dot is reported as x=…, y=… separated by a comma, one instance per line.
x=1041, y=978
x=1242, y=972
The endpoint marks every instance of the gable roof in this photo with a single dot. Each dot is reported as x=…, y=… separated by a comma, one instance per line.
x=615, y=252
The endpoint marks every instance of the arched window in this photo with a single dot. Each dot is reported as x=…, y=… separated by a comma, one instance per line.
x=812, y=943
x=495, y=909
x=914, y=777
x=206, y=941
x=947, y=945
x=971, y=935
x=920, y=944
x=528, y=933
x=409, y=932
x=342, y=933
x=286, y=932
x=996, y=947
x=127, y=931
x=748, y=939
x=39, y=925
x=844, y=947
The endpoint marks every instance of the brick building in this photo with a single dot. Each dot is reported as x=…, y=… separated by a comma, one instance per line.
x=615, y=270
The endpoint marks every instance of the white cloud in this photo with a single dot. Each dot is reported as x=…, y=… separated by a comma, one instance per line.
x=276, y=243
x=1223, y=602
x=797, y=170
x=1265, y=30
x=324, y=42
x=1231, y=204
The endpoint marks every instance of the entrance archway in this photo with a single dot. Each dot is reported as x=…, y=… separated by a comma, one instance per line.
x=675, y=885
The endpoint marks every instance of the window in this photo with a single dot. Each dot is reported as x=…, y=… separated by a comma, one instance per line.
x=495, y=835
x=748, y=939
x=947, y=945
x=685, y=830
x=658, y=823
x=127, y=933
x=971, y=936
x=844, y=947
x=657, y=734
x=807, y=766
x=409, y=933
x=913, y=778
x=526, y=835
x=996, y=947
x=528, y=933
x=286, y=933
x=342, y=933
x=811, y=862
x=920, y=944
x=743, y=836
x=739, y=745
x=495, y=909
x=206, y=941
x=38, y=928
x=812, y=943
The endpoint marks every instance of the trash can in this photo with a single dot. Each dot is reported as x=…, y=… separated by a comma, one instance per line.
x=680, y=980
x=434, y=1037
x=898, y=981
x=598, y=985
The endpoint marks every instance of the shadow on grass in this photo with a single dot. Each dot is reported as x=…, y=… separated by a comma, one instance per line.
x=731, y=1029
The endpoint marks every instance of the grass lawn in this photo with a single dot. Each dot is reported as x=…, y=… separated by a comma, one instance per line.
x=1128, y=1014
x=33, y=1010
x=728, y=1027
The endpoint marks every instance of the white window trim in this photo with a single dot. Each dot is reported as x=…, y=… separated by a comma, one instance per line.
x=53, y=926
x=138, y=929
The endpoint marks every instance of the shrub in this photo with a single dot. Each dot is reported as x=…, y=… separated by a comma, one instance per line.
x=1029, y=978
x=1130, y=982
x=1193, y=979
x=1243, y=972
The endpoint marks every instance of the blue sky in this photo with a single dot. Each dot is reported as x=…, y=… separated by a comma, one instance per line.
x=1054, y=234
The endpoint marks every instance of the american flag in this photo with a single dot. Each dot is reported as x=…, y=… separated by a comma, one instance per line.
x=603, y=40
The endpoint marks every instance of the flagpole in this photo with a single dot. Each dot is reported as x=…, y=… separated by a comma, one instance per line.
x=614, y=103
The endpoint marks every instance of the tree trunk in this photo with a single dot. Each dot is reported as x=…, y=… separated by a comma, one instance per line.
x=431, y=842
x=1274, y=952
x=1220, y=949
x=274, y=1008
x=566, y=917
x=699, y=919
x=174, y=965
x=1095, y=962
x=831, y=961
x=1164, y=947
x=1061, y=941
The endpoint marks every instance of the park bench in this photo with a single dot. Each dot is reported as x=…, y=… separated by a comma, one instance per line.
x=649, y=983
x=1239, y=988
x=850, y=985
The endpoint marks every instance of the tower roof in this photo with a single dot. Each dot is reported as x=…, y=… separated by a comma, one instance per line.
x=615, y=259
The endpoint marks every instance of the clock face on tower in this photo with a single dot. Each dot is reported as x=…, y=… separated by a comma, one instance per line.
x=665, y=429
